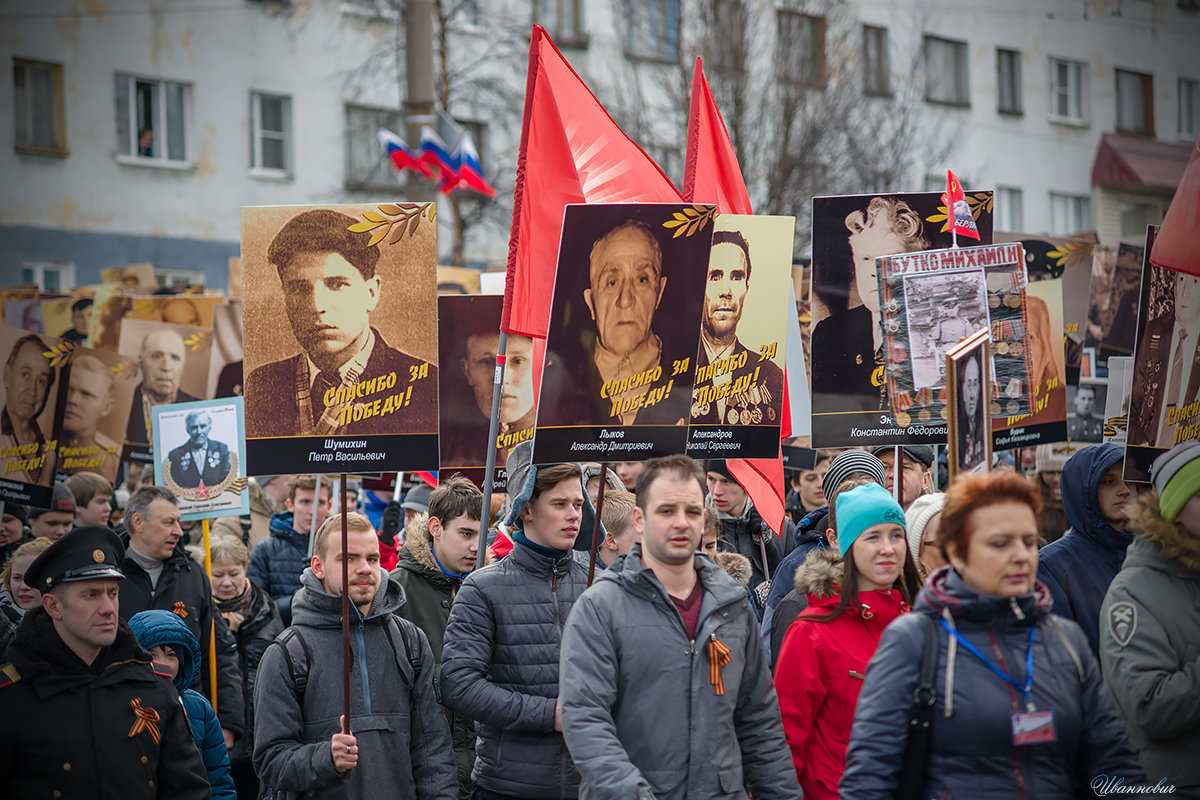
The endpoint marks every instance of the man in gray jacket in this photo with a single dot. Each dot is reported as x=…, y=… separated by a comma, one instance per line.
x=500, y=658
x=1150, y=624
x=399, y=743
x=664, y=682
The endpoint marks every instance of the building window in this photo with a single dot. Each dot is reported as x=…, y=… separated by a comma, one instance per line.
x=563, y=20
x=1136, y=216
x=1008, y=81
x=48, y=276
x=1135, y=103
x=802, y=49
x=876, y=70
x=38, y=113
x=152, y=118
x=1010, y=209
x=652, y=29
x=270, y=133
x=727, y=44
x=1070, y=213
x=367, y=165
x=1189, y=109
x=946, y=71
x=1067, y=91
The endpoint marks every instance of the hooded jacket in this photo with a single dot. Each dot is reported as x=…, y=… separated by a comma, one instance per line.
x=403, y=741
x=641, y=715
x=809, y=534
x=259, y=628
x=971, y=751
x=821, y=669
x=1078, y=567
x=740, y=535
x=68, y=726
x=277, y=562
x=430, y=593
x=153, y=628
x=1150, y=646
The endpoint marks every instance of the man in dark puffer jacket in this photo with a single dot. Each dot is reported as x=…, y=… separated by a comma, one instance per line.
x=501, y=654
x=277, y=562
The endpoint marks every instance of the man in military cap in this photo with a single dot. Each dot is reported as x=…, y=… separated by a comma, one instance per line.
x=87, y=714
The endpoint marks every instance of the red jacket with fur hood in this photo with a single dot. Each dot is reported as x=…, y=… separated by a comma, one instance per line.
x=821, y=667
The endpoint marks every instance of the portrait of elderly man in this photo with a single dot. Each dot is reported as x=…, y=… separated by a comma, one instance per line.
x=162, y=358
x=28, y=381
x=330, y=287
x=725, y=290
x=199, y=459
x=973, y=424
x=89, y=400
x=626, y=286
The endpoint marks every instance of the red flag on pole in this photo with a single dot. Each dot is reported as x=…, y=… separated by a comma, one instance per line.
x=571, y=152
x=712, y=175
x=1177, y=246
x=959, y=219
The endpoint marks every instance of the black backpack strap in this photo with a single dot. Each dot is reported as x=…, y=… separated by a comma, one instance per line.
x=297, y=651
x=920, y=721
x=411, y=637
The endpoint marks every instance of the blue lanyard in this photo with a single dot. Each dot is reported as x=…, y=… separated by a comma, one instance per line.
x=1027, y=689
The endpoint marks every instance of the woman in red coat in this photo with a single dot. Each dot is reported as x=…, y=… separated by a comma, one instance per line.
x=851, y=599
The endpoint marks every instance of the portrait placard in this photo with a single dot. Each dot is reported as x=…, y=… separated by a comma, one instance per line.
x=737, y=400
x=1116, y=405
x=624, y=330
x=968, y=372
x=225, y=370
x=36, y=372
x=340, y=338
x=468, y=339
x=1164, y=401
x=1120, y=334
x=133, y=278
x=849, y=387
x=199, y=456
x=96, y=412
x=1085, y=404
x=172, y=364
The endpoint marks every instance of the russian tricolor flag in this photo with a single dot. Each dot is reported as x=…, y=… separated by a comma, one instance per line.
x=401, y=154
x=470, y=174
x=438, y=158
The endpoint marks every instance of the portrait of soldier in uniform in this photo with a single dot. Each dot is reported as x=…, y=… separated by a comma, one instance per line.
x=725, y=289
x=90, y=400
x=199, y=459
x=1167, y=367
x=1085, y=425
x=330, y=288
x=28, y=382
x=162, y=358
x=973, y=424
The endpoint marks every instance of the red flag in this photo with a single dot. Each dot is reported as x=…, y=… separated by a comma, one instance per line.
x=1177, y=246
x=571, y=152
x=959, y=219
x=712, y=175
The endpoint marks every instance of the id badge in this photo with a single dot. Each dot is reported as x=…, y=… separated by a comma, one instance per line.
x=1033, y=727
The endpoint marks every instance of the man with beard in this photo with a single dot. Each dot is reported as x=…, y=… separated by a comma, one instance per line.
x=82, y=447
x=28, y=381
x=400, y=744
x=162, y=359
x=723, y=359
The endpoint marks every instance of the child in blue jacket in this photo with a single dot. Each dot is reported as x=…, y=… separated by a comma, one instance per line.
x=170, y=642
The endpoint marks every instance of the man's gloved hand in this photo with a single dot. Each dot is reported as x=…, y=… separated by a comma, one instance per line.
x=393, y=515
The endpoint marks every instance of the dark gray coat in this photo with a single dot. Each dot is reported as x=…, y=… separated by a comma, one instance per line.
x=641, y=715
x=403, y=740
x=500, y=668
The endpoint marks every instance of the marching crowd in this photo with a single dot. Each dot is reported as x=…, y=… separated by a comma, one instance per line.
x=885, y=644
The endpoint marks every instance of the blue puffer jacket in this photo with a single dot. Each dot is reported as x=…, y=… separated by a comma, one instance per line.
x=971, y=751
x=157, y=627
x=810, y=534
x=277, y=562
x=1078, y=567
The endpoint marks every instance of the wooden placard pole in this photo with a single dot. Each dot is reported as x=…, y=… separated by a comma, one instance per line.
x=596, y=521
x=212, y=622
x=345, y=614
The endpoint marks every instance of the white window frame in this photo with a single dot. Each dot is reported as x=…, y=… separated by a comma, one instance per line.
x=1010, y=209
x=1079, y=71
x=876, y=70
x=175, y=278
x=56, y=110
x=129, y=152
x=1145, y=82
x=258, y=134
x=962, y=74
x=800, y=43
x=564, y=20
x=39, y=269
x=382, y=177
x=1079, y=213
x=1188, y=100
x=1013, y=58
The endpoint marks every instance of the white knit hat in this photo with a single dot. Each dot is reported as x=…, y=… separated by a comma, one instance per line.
x=918, y=516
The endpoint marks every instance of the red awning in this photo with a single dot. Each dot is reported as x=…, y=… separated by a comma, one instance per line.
x=1134, y=161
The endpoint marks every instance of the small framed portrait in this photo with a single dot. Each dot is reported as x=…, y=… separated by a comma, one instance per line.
x=200, y=456
x=969, y=379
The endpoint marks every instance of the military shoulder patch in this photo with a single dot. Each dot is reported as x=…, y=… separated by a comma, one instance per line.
x=160, y=669
x=1122, y=622
x=9, y=676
